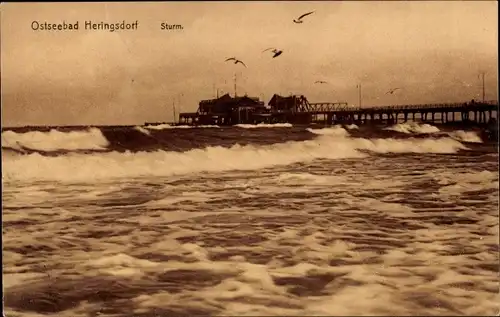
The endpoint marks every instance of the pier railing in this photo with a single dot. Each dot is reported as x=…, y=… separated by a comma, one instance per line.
x=324, y=107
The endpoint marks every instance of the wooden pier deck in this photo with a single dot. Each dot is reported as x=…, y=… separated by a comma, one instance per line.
x=478, y=112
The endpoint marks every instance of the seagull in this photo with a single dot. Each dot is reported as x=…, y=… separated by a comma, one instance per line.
x=392, y=91
x=299, y=20
x=275, y=51
x=320, y=82
x=236, y=61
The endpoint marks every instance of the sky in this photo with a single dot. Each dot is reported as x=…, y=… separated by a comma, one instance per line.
x=434, y=51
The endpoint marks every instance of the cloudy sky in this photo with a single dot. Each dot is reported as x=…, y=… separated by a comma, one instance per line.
x=433, y=50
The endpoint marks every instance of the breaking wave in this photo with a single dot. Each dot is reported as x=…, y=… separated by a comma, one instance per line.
x=168, y=126
x=245, y=126
x=418, y=128
x=90, y=139
x=264, y=125
x=331, y=143
x=336, y=130
x=466, y=136
x=413, y=127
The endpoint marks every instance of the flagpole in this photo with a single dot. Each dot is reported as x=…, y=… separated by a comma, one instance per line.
x=482, y=74
x=235, y=85
x=173, y=109
x=359, y=95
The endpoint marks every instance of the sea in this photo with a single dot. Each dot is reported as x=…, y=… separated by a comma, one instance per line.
x=251, y=220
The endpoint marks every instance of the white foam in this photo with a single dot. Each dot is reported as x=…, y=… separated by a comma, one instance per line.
x=168, y=126
x=13, y=279
x=443, y=145
x=142, y=130
x=120, y=260
x=307, y=178
x=335, y=130
x=194, y=196
x=120, y=265
x=459, y=183
x=264, y=125
x=352, y=301
x=466, y=136
x=90, y=139
x=413, y=127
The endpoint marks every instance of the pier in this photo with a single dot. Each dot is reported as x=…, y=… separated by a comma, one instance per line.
x=296, y=109
x=479, y=113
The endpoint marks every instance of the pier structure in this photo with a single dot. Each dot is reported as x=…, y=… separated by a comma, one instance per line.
x=228, y=110
x=476, y=112
x=225, y=110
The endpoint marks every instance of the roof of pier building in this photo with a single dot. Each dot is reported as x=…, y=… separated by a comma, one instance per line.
x=226, y=103
x=280, y=103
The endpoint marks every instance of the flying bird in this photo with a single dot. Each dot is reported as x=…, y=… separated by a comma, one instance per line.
x=299, y=20
x=236, y=61
x=392, y=91
x=275, y=51
x=320, y=82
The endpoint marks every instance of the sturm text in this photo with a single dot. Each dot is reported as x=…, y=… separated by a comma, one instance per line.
x=166, y=26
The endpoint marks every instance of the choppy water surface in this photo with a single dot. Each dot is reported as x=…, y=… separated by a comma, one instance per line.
x=243, y=221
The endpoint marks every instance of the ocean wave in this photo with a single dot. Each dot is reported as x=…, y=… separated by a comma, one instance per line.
x=85, y=140
x=264, y=125
x=335, y=130
x=419, y=128
x=335, y=144
x=168, y=126
x=465, y=136
x=413, y=127
x=90, y=139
